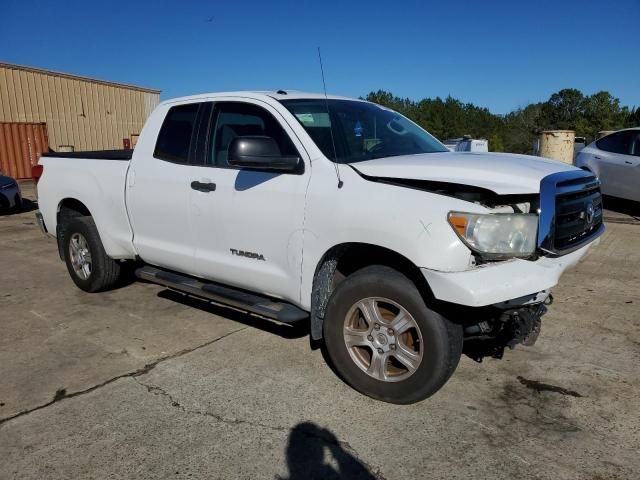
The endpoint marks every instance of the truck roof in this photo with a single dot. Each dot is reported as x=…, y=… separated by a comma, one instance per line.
x=260, y=94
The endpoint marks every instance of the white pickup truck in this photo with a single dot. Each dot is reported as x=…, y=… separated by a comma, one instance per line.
x=293, y=206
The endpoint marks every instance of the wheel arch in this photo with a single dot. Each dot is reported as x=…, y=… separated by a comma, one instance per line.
x=341, y=260
x=72, y=204
x=68, y=208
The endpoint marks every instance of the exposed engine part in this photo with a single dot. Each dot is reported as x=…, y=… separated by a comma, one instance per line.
x=522, y=207
x=478, y=328
x=524, y=325
x=532, y=336
x=507, y=329
x=532, y=299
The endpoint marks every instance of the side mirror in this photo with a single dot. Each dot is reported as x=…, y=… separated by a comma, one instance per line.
x=261, y=153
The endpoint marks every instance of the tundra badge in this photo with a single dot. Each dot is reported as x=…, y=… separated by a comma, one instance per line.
x=242, y=253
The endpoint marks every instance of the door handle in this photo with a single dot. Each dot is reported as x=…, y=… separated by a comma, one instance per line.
x=203, y=187
x=597, y=157
x=628, y=162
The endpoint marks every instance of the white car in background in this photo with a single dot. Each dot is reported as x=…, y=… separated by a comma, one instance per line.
x=467, y=144
x=615, y=159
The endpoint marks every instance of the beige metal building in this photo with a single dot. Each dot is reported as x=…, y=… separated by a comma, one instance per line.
x=80, y=113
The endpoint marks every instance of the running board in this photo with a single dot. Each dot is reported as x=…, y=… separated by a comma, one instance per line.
x=277, y=310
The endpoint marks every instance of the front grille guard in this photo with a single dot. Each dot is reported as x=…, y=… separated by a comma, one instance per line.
x=550, y=188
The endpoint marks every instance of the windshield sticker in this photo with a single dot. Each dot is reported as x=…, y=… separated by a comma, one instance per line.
x=357, y=129
x=305, y=118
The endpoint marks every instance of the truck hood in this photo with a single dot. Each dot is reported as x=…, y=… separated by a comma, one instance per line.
x=502, y=173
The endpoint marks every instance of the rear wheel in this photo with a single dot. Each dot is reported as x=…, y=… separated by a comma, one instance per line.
x=384, y=340
x=89, y=266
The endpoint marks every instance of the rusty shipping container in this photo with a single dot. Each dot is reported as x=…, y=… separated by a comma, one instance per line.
x=21, y=145
x=81, y=113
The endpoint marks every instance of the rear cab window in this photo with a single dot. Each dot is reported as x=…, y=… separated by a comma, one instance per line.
x=175, y=137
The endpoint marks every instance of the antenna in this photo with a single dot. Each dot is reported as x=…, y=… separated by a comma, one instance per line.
x=333, y=143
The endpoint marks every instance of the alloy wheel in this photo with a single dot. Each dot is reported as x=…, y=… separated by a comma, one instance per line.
x=80, y=256
x=383, y=339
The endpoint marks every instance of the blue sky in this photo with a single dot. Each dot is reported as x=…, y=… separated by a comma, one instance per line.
x=500, y=55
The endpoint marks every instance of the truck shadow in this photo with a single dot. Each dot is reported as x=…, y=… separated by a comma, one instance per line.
x=247, y=179
x=316, y=453
x=620, y=205
x=27, y=206
x=288, y=331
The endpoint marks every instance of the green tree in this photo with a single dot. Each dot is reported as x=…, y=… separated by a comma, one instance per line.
x=495, y=143
x=633, y=118
x=602, y=112
x=521, y=128
x=567, y=109
x=563, y=110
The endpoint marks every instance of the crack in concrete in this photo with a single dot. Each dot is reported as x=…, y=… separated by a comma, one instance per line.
x=346, y=446
x=62, y=394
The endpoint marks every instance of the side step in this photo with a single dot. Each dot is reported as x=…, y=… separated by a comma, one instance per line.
x=277, y=310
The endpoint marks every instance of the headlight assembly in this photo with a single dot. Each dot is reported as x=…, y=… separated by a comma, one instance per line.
x=497, y=234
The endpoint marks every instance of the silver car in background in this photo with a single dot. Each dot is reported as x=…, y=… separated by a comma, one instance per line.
x=615, y=159
x=10, y=195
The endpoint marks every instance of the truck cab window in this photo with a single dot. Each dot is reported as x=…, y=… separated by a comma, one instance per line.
x=174, y=139
x=235, y=119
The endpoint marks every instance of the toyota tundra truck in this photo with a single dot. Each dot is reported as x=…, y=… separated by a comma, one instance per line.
x=342, y=213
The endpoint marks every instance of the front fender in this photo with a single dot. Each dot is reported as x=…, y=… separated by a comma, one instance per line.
x=410, y=222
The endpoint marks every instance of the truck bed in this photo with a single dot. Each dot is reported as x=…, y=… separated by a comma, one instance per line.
x=98, y=185
x=94, y=154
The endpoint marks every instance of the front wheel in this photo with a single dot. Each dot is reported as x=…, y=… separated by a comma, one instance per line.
x=87, y=262
x=385, y=342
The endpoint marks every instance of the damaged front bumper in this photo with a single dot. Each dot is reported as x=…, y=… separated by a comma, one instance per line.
x=504, y=327
x=508, y=281
x=500, y=305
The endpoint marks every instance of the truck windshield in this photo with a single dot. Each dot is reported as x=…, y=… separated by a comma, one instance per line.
x=361, y=130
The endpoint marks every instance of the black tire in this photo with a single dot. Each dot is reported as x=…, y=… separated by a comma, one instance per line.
x=105, y=272
x=442, y=339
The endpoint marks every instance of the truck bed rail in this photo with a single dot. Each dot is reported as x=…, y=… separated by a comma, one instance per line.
x=94, y=154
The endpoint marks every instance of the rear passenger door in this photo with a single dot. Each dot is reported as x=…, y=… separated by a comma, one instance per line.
x=159, y=190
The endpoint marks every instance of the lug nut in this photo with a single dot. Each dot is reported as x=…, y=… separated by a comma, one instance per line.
x=370, y=338
x=380, y=351
x=376, y=326
x=390, y=331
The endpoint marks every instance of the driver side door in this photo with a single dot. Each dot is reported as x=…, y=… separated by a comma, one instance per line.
x=249, y=231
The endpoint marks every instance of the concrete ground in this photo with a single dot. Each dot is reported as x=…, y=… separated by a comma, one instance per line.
x=143, y=383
